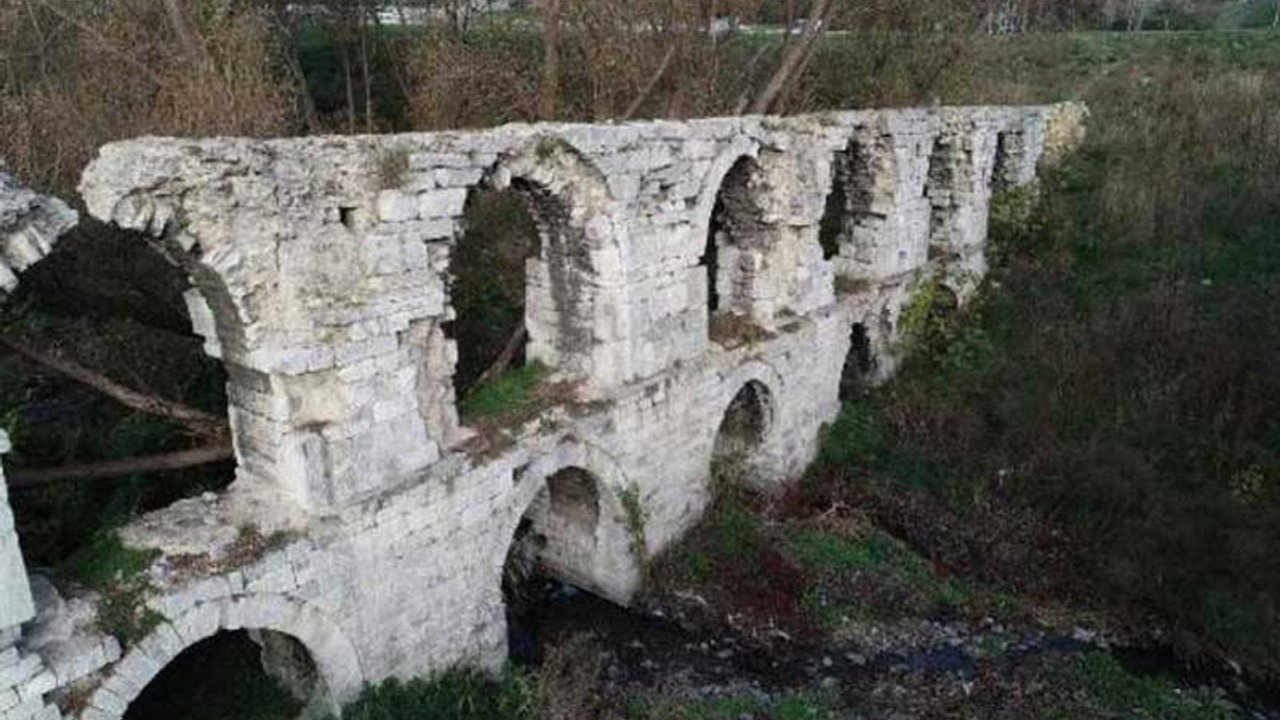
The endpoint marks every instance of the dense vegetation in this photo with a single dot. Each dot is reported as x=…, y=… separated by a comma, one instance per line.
x=1120, y=371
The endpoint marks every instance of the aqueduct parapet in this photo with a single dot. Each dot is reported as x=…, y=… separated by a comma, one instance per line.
x=680, y=270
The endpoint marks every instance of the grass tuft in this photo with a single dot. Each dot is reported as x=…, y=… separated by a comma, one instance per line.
x=1110, y=685
x=453, y=695
x=505, y=398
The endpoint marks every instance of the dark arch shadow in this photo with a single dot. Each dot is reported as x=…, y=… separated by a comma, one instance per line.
x=736, y=223
x=488, y=283
x=860, y=364
x=849, y=202
x=556, y=539
x=1002, y=173
x=742, y=432
x=232, y=675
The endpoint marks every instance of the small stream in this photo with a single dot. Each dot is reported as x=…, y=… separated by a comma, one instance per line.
x=649, y=648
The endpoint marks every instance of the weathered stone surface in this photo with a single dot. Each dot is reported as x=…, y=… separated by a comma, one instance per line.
x=24, y=678
x=15, y=594
x=30, y=225
x=320, y=272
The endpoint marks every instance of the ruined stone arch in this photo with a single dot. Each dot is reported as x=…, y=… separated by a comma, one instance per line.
x=861, y=363
x=714, y=179
x=740, y=238
x=219, y=299
x=1003, y=170
x=947, y=164
x=335, y=658
x=850, y=218
x=946, y=296
x=575, y=493
x=569, y=202
x=746, y=423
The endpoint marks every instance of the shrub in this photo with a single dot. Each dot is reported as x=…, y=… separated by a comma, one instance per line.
x=454, y=695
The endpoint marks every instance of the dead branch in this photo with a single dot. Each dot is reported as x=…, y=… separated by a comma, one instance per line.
x=794, y=58
x=505, y=358
x=196, y=457
x=104, y=42
x=197, y=421
x=652, y=85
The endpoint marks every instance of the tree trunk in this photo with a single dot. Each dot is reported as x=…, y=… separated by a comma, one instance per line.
x=351, y=93
x=509, y=351
x=393, y=57
x=549, y=93
x=364, y=70
x=794, y=58
x=180, y=29
x=309, y=113
x=651, y=85
x=19, y=479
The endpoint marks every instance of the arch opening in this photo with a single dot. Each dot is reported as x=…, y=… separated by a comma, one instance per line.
x=152, y=333
x=939, y=185
x=518, y=283
x=488, y=282
x=237, y=674
x=742, y=432
x=550, y=558
x=1002, y=172
x=848, y=204
x=860, y=364
x=737, y=227
x=938, y=321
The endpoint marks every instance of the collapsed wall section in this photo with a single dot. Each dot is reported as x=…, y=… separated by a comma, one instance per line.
x=30, y=226
x=24, y=679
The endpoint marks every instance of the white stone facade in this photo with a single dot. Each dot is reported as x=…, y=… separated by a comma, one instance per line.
x=30, y=225
x=319, y=270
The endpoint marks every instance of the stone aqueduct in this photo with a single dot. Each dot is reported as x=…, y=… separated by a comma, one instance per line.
x=319, y=277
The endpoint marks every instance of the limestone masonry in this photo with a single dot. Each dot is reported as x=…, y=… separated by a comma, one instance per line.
x=366, y=522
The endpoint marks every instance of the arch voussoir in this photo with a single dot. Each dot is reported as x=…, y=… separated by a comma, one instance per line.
x=335, y=657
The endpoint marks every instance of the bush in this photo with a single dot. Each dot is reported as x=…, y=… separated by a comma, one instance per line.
x=119, y=70
x=454, y=695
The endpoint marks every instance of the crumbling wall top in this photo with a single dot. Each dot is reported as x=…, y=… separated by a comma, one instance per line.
x=30, y=225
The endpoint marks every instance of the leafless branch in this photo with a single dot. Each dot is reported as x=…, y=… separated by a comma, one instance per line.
x=20, y=479
x=794, y=57
x=197, y=421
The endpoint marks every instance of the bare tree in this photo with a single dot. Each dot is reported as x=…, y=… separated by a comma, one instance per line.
x=795, y=58
x=549, y=93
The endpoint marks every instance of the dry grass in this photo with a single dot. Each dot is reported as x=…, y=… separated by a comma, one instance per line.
x=730, y=330
x=81, y=74
x=567, y=684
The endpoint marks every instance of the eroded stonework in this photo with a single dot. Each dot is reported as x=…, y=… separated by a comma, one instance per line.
x=30, y=225
x=320, y=277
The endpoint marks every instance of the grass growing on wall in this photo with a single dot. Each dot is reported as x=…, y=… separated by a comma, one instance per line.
x=508, y=396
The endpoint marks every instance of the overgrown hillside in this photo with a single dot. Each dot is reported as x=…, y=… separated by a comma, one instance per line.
x=1119, y=374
